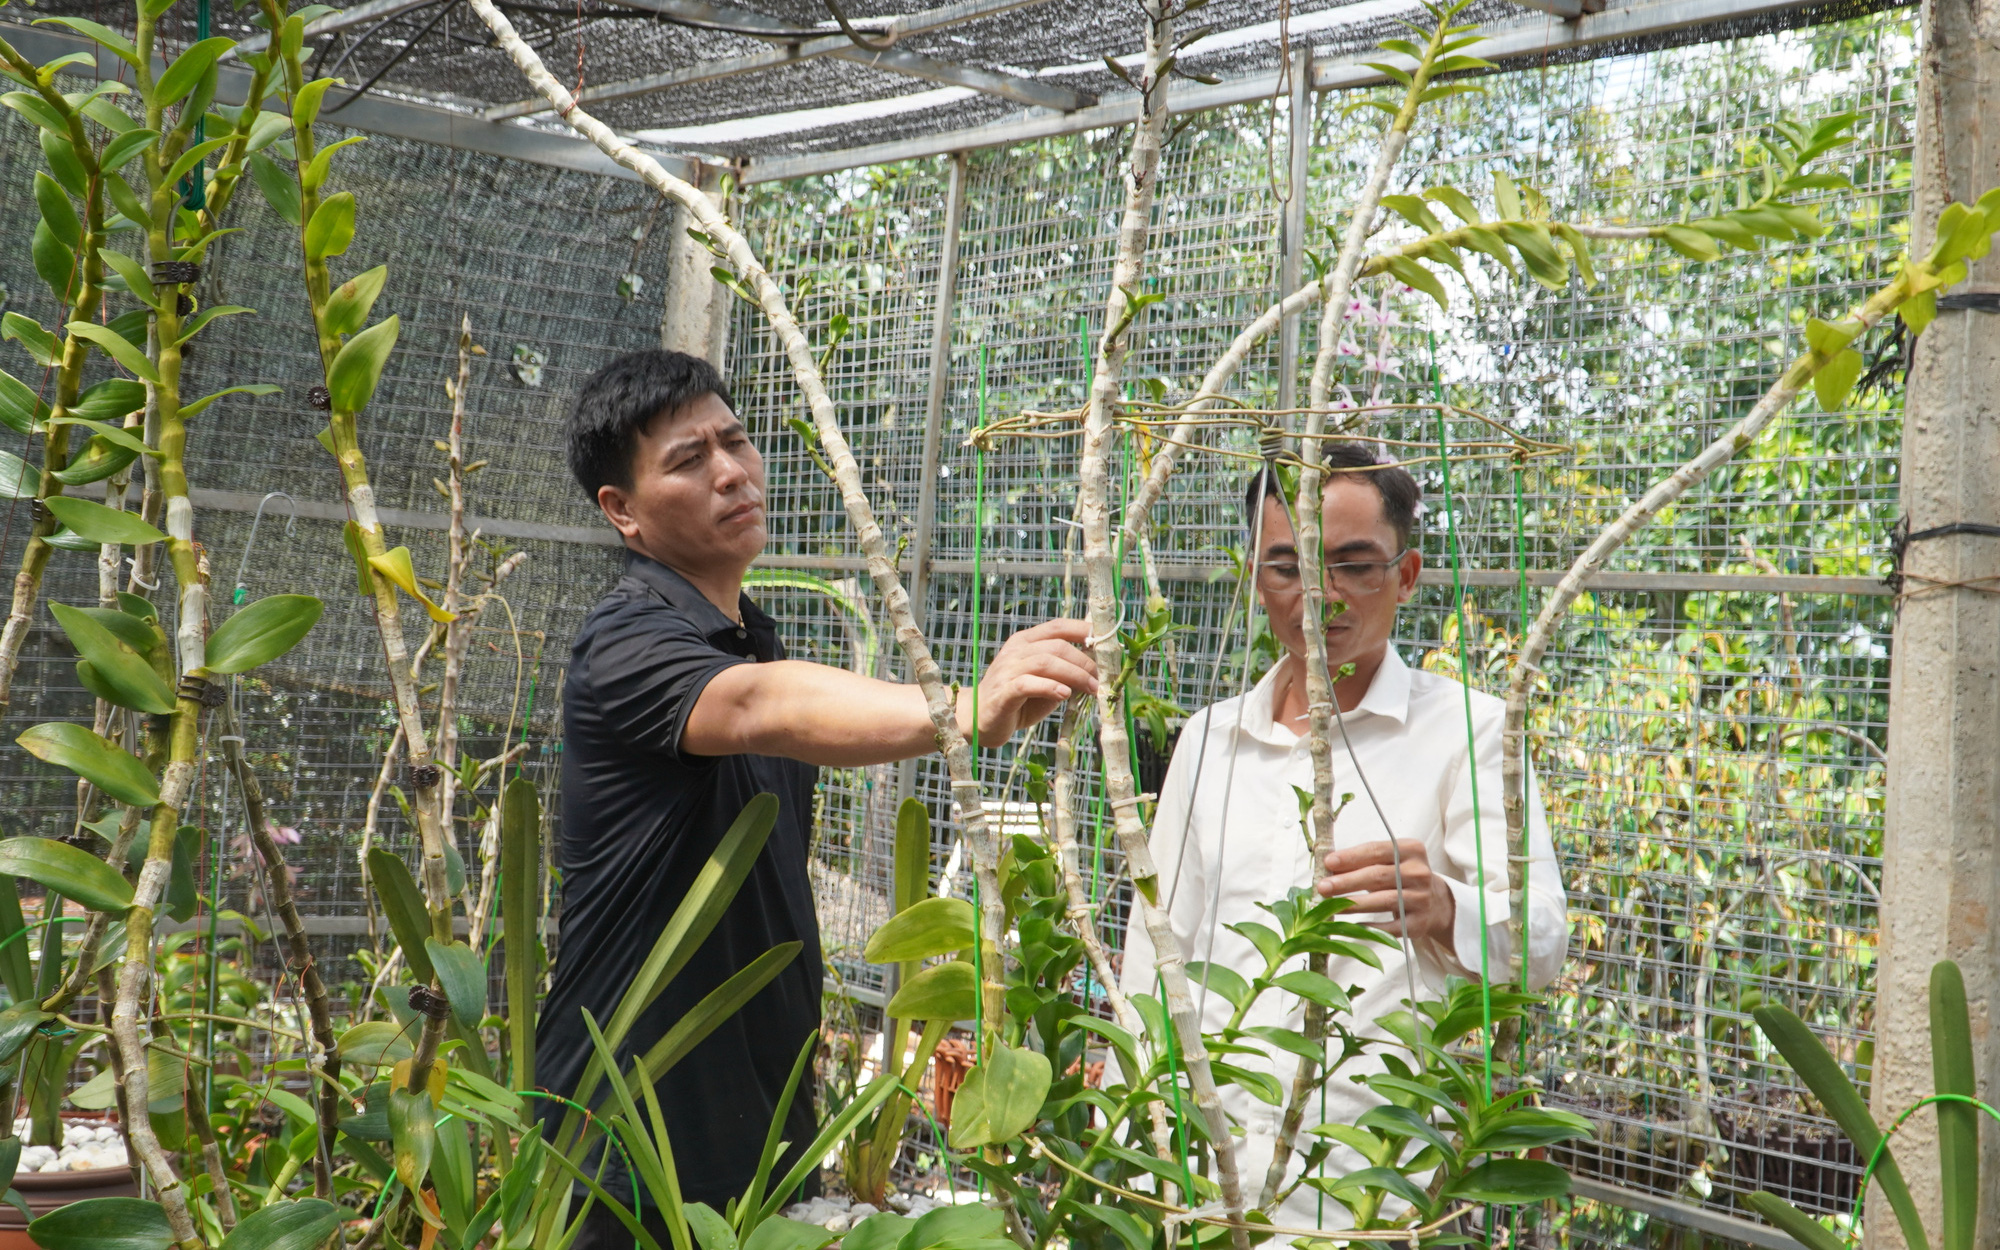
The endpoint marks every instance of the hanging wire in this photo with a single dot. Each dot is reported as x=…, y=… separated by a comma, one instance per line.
x=1471, y=746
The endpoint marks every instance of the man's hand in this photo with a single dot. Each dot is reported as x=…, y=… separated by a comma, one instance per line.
x=1367, y=874
x=1035, y=672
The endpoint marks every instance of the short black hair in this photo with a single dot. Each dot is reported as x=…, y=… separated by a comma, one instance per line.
x=1400, y=492
x=620, y=400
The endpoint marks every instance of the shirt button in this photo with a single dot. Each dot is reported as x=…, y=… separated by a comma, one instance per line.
x=742, y=633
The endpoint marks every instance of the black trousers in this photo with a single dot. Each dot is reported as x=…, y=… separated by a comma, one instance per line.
x=602, y=1231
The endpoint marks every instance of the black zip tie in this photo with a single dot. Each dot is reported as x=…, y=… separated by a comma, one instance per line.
x=201, y=690
x=184, y=305
x=1900, y=538
x=175, y=272
x=426, y=1001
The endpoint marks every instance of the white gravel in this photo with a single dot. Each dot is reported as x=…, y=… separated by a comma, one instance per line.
x=85, y=1146
x=837, y=1215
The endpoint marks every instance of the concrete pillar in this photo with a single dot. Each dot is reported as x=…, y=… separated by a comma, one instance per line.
x=1941, y=879
x=696, y=317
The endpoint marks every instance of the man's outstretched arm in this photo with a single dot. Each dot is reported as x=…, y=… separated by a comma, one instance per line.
x=829, y=716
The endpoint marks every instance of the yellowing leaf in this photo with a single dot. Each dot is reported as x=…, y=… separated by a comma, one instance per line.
x=395, y=565
x=1833, y=383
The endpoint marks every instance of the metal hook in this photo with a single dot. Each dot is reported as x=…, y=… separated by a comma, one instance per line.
x=291, y=528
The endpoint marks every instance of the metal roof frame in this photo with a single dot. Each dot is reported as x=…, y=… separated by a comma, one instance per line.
x=1531, y=36
x=499, y=129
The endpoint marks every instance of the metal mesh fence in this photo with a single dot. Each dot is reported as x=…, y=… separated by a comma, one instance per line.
x=1712, y=757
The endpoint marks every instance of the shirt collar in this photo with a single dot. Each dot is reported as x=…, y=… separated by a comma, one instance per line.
x=681, y=595
x=1388, y=695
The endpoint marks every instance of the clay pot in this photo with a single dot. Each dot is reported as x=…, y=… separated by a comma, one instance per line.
x=45, y=1191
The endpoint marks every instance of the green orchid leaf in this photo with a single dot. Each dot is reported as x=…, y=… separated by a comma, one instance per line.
x=55, y=264
x=1510, y=1182
x=779, y=1233
x=1134, y=1232
x=70, y=872
x=99, y=524
x=376, y=1044
x=1690, y=243
x=927, y=929
x=331, y=228
x=201, y=319
x=126, y=146
x=1824, y=1076
x=279, y=185
x=1955, y=1072
x=193, y=157
x=1218, y=979
x=262, y=631
x=31, y=106
x=945, y=992
x=717, y=1005
x=29, y=334
x=347, y=308
x=1001, y=1097
x=18, y=478
x=97, y=761
x=188, y=68
x=20, y=409
x=117, y=347
x=1917, y=312
x=1413, y=275
x=313, y=176
x=358, y=368
x=300, y=1224
x=99, y=459
x=413, y=1133
x=1457, y=201
x=403, y=904
x=306, y=105
x=462, y=975
x=1802, y=1228
x=17, y=1024
x=120, y=46
x=104, y=1224
x=117, y=436
x=266, y=130
x=520, y=917
x=110, y=401
x=57, y=211
x=254, y=388
x=119, y=668
x=1833, y=382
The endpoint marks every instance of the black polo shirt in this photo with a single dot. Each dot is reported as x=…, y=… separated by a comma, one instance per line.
x=639, y=819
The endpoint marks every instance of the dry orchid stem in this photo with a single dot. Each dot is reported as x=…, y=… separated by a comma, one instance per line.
x=1082, y=916
x=1306, y=517
x=426, y=777
x=1527, y=666
x=1100, y=565
x=939, y=700
x=85, y=306
x=322, y=1053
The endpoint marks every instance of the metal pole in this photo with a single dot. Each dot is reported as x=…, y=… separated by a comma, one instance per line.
x=1941, y=875
x=927, y=480
x=1292, y=236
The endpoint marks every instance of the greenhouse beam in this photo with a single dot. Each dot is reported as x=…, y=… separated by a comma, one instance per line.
x=1941, y=866
x=374, y=114
x=1525, y=37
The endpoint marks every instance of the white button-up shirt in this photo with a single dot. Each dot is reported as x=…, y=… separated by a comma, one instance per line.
x=1227, y=836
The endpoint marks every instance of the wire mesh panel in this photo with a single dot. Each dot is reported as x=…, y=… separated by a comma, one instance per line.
x=1712, y=758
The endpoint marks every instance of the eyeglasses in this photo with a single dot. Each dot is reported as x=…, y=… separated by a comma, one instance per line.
x=1348, y=579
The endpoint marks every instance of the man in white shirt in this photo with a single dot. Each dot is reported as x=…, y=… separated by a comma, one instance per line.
x=1227, y=833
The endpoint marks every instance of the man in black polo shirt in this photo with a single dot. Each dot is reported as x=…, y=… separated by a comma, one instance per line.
x=678, y=708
